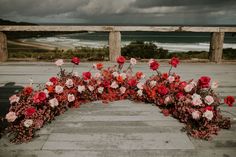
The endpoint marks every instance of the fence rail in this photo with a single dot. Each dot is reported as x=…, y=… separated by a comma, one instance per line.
x=215, y=50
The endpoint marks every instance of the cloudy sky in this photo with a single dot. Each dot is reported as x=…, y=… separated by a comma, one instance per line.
x=126, y=12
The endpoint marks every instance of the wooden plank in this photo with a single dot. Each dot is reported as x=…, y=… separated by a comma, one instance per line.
x=216, y=47
x=114, y=45
x=3, y=47
x=117, y=28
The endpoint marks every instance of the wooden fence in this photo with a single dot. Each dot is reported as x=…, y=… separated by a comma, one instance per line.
x=215, y=50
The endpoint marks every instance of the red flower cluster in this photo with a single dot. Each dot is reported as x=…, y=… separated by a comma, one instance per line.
x=27, y=90
x=204, y=82
x=30, y=111
x=54, y=80
x=120, y=60
x=75, y=60
x=86, y=75
x=154, y=65
x=39, y=97
x=229, y=100
x=174, y=62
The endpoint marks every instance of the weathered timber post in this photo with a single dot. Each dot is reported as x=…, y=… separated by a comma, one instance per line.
x=216, y=47
x=3, y=47
x=114, y=45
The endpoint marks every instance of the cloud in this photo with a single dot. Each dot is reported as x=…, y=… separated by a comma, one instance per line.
x=120, y=11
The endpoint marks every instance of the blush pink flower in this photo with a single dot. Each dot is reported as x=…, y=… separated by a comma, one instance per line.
x=53, y=102
x=11, y=116
x=71, y=97
x=14, y=99
x=59, y=62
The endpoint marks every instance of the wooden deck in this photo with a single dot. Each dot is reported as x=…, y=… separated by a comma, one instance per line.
x=117, y=129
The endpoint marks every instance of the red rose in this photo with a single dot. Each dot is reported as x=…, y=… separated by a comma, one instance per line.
x=229, y=100
x=106, y=83
x=30, y=111
x=165, y=76
x=204, y=82
x=182, y=85
x=27, y=90
x=139, y=74
x=174, y=61
x=86, y=75
x=179, y=95
x=154, y=65
x=39, y=97
x=209, y=108
x=75, y=60
x=120, y=60
x=132, y=82
x=165, y=112
x=99, y=66
x=54, y=80
x=162, y=90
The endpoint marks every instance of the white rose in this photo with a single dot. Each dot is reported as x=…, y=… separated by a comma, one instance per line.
x=153, y=83
x=122, y=90
x=97, y=76
x=140, y=85
x=14, y=99
x=71, y=97
x=59, y=62
x=100, y=90
x=208, y=115
x=214, y=85
x=69, y=83
x=171, y=79
x=188, y=88
x=115, y=74
x=133, y=61
x=91, y=88
x=59, y=89
x=193, y=83
x=114, y=85
x=46, y=92
x=81, y=89
x=195, y=95
x=49, y=83
x=140, y=92
x=196, y=114
x=123, y=75
x=53, y=102
x=28, y=123
x=197, y=101
x=209, y=100
x=11, y=116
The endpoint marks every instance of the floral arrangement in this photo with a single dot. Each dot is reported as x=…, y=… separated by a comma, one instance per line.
x=193, y=103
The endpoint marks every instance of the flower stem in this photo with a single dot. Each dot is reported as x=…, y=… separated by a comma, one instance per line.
x=170, y=69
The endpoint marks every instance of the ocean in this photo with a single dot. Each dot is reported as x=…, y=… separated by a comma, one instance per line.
x=174, y=41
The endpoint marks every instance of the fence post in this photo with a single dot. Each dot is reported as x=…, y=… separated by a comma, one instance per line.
x=3, y=47
x=216, y=47
x=114, y=45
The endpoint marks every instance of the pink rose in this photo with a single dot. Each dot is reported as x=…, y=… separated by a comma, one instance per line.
x=11, y=116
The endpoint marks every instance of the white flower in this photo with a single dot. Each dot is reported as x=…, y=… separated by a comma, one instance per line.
x=28, y=123
x=115, y=74
x=76, y=74
x=123, y=75
x=46, y=92
x=91, y=88
x=196, y=100
x=59, y=62
x=214, y=85
x=209, y=99
x=71, y=97
x=81, y=89
x=140, y=85
x=100, y=90
x=53, y=102
x=140, y=92
x=97, y=76
x=171, y=79
x=69, y=83
x=153, y=83
x=208, y=115
x=167, y=100
x=196, y=114
x=188, y=88
x=59, y=89
x=114, y=85
x=11, y=116
x=14, y=99
x=122, y=90
x=49, y=83
x=133, y=61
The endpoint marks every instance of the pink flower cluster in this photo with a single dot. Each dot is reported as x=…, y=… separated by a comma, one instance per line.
x=193, y=103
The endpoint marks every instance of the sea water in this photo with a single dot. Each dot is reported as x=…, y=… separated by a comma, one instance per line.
x=173, y=41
